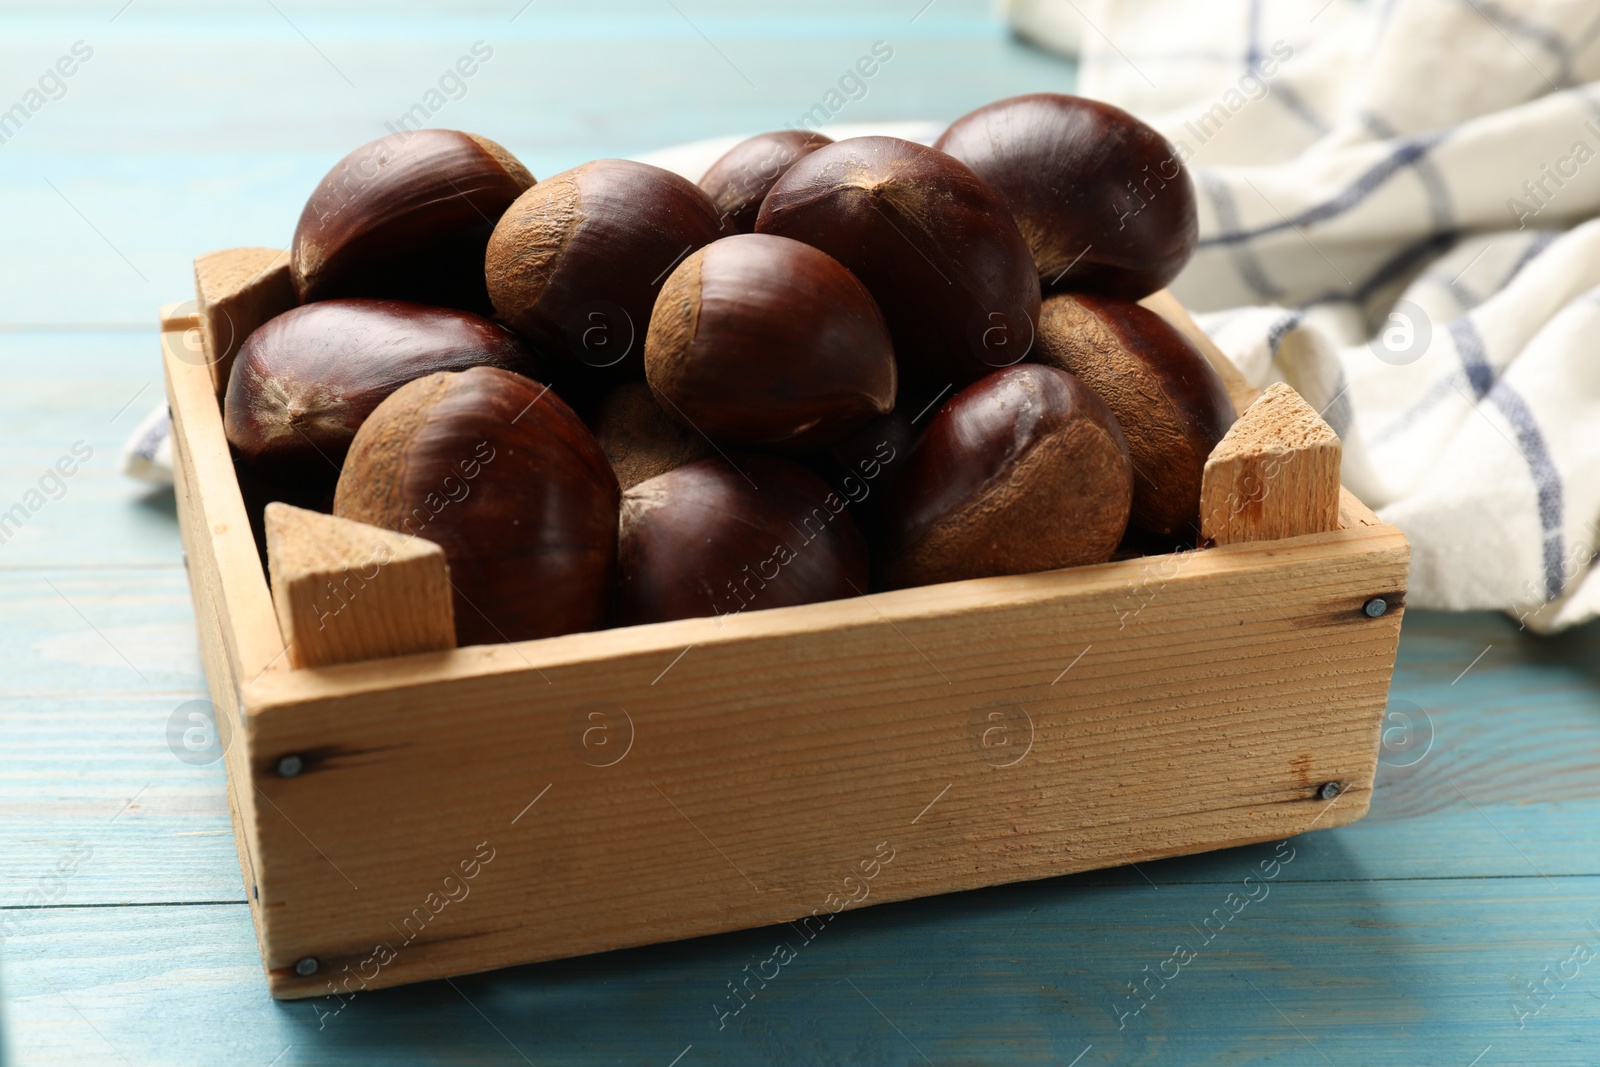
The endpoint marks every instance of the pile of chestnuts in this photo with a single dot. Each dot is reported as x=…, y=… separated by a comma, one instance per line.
x=616, y=397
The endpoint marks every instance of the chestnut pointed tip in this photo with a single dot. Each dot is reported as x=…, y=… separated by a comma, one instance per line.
x=303, y=382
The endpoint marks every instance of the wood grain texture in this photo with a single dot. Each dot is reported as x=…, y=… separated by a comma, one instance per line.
x=68, y=395
x=98, y=631
x=1540, y=787
x=1386, y=974
x=345, y=591
x=146, y=825
x=218, y=541
x=1275, y=473
x=1352, y=512
x=237, y=290
x=239, y=636
x=760, y=757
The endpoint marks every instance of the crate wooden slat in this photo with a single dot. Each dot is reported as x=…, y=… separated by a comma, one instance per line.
x=345, y=591
x=659, y=782
x=1275, y=474
x=239, y=638
x=238, y=289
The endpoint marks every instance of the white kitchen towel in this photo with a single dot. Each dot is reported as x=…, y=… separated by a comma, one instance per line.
x=1397, y=216
x=148, y=454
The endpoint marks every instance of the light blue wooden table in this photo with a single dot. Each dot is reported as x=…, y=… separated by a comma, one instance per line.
x=1409, y=938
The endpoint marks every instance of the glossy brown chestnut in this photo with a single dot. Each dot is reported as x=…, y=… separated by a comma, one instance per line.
x=1023, y=471
x=407, y=216
x=762, y=341
x=640, y=439
x=499, y=471
x=873, y=455
x=933, y=244
x=577, y=261
x=304, y=382
x=1102, y=198
x=863, y=466
x=1173, y=408
x=712, y=539
x=741, y=179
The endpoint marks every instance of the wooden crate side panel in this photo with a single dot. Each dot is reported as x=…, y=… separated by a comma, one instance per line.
x=218, y=524
x=221, y=680
x=1121, y=587
x=662, y=793
x=1353, y=514
x=1274, y=475
x=212, y=523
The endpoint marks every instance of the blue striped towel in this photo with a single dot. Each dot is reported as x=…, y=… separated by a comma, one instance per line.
x=1397, y=206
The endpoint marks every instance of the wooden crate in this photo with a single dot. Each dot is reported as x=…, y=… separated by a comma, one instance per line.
x=460, y=810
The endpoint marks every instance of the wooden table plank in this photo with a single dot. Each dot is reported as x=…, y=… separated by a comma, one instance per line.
x=1394, y=972
x=146, y=815
x=73, y=398
x=98, y=632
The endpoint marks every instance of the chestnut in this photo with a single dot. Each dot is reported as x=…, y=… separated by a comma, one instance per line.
x=741, y=179
x=406, y=216
x=575, y=264
x=305, y=380
x=767, y=342
x=714, y=539
x=1104, y=201
x=933, y=244
x=863, y=466
x=1023, y=471
x=640, y=439
x=873, y=454
x=1172, y=406
x=498, y=470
